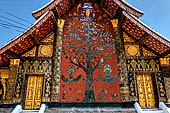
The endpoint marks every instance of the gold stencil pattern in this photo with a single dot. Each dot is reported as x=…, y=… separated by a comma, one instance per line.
x=167, y=83
x=50, y=38
x=132, y=50
x=147, y=53
x=4, y=73
x=34, y=92
x=30, y=53
x=145, y=91
x=45, y=51
x=127, y=38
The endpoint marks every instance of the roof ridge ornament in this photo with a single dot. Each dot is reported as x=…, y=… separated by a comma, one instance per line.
x=114, y=23
x=61, y=23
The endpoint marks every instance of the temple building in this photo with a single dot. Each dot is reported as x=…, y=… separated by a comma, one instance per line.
x=86, y=53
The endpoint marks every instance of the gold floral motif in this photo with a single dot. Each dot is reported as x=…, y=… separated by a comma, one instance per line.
x=164, y=60
x=26, y=64
x=133, y=63
x=14, y=62
x=36, y=66
x=45, y=50
x=147, y=53
x=50, y=38
x=167, y=84
x=127, y=38
x=132, y=50
x=153, y=65
x=4, y=73
x=30, y=53
x=34, y=92
x=145, y=91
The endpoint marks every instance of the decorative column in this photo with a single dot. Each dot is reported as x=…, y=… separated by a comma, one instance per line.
x=14, y=63
x=122, y=67
x=4, y=74
x=57, y=61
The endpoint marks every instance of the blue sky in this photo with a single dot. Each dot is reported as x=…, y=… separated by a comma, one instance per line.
x=156, y=15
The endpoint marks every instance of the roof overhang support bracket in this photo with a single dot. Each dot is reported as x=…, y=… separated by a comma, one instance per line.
x=10, y=53
x=136, y=41
x=121, y=17
x=111, y=16
x=73, y=2
x=145, y=36
x=165, y=54
x=35, y=40
x=101, y=3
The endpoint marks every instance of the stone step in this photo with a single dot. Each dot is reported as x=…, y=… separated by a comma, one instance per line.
x=29, y=111
x=90, y=110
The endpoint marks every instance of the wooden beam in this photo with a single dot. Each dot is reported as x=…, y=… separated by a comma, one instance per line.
x=35, y=40
x=101, y=3
x=121, y=18
x=144, y=37
x=165, y=54
x=10, y=53
x=54, y=20
x=111, y=16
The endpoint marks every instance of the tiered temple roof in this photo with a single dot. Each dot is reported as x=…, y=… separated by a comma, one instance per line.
x=46, y=23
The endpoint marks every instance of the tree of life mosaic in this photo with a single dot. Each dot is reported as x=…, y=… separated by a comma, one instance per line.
x=89, y=71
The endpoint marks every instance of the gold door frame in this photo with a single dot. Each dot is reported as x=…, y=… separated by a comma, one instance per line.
x=145, y=90
x=36, y=81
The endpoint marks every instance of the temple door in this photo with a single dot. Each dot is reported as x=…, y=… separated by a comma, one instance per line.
x=145, y=91
x=34, y=92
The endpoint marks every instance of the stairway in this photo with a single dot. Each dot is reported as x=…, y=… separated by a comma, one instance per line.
x=90, y=110
x=29, y=111
x=162, y=109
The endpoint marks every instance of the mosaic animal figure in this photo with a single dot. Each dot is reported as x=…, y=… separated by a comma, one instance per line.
x=71, y=70
x=107, y=69
x=101, y=94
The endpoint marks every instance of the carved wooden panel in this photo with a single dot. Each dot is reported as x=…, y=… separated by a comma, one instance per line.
x=127, y=38
x=45, y=50
x=145, y=91
x=147, y=53
x=132, y=50
x=42, y=66
x=4, y=74
x=161, y=87
x=34, y=92
x=150, y=65
x=132, y=84
x=49, y=39
x=167, y=84
x=30, y=53
x=11, y=84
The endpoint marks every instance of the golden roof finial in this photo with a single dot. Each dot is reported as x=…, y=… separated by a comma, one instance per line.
x=61, y=22
x=114, y=22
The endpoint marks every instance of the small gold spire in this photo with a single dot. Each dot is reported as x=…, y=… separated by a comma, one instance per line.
x=114, y=22
x=61, y=22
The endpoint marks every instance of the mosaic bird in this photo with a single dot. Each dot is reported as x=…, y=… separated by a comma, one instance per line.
x=71, y=70
x=107, y=70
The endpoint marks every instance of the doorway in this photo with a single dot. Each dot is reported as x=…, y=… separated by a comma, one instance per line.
x=145, y=91
x=33, y=92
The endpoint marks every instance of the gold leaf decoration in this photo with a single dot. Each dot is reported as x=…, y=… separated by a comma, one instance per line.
x=30, y=53
x=147, y=53
x=45, y=51
x=127, y=38
x=132, y=50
